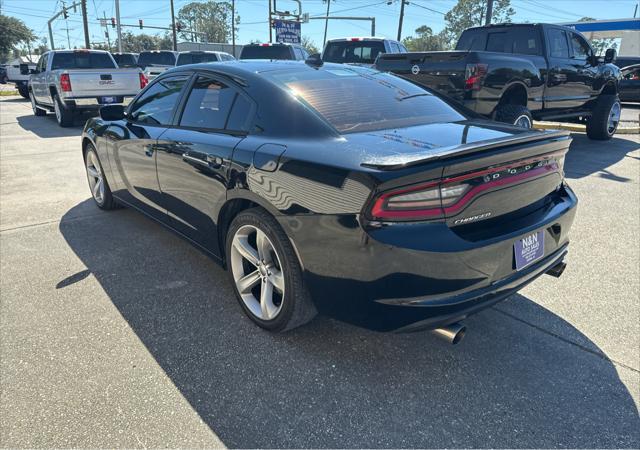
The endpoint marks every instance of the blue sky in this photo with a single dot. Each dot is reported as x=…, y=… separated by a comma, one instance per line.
x=253, y=14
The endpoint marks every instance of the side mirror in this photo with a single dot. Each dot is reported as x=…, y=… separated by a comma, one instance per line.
x=610, y=55
x=24, y=69
x=314, y=60
x=112, y=112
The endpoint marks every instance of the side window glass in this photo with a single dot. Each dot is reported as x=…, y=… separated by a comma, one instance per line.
x=394, y=47
x=403, y=49
x=298, y=53
x=580, y=48
x=558, y=47
x=496, y=42
x=156, y=106
x=39, y=65
x=240, y=117
x=208, y=105
x=525, y=41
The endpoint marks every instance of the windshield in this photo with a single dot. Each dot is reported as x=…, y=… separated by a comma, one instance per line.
x=354, y=52
x=266, y=52
x=195, y=58
x=125, y=60
x=82, y=60
x=156, y=58
x=355, y=99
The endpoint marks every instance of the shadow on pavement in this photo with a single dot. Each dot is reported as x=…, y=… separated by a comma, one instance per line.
x=47, y=127
x=587, y=157
x=332, y=385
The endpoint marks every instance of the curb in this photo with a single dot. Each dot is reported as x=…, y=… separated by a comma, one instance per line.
x=629, y=129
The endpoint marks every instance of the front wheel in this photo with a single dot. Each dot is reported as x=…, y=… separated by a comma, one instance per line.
x=517, y=115
x=605, y=118
x=266, y=274
x=97, y=182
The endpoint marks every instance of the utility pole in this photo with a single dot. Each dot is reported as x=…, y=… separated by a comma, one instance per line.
x=402, y=2
x=487, y=19
x=85, y=23
x=270, y=30
x=118, y=28
x=326, y=24
x=233, y=27
x=106, y=29
x=173, y=25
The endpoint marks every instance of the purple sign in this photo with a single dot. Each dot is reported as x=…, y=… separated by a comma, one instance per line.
x=529, y=249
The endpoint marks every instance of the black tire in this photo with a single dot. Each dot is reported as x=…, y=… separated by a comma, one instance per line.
x=514, y=114
x=107, y=202
x=598, y=126
x=64, y=115
x=34, y=106
x=23, y=91
x=297, y=308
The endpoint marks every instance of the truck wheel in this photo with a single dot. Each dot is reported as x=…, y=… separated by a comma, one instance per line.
x=515, y=115
x=605, y=118
x=64, y=116
x=34, y=106
x=23, y=91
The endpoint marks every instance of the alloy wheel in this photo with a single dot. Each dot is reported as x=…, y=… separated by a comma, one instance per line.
x=257, y=272
x=523, y=121
x=94, y=175
x=614, y=118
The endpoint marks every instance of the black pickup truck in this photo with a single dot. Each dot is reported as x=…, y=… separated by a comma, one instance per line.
x=518, y=72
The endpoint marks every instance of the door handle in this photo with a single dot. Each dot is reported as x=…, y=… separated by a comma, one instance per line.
x=211, y=162
x=149, y=149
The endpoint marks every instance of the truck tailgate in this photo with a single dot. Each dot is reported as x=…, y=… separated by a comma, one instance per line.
x=108, y=82
x=442, y=71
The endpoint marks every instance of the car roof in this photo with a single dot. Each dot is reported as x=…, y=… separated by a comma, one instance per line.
x=271, y=44
x=359, y=38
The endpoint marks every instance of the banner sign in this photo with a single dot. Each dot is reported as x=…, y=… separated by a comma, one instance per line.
x=287, y=32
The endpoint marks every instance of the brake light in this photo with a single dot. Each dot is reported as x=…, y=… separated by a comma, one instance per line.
x=143, y=80
x=474, y=74
x=425, y=201
x=355, y=39
x=65, y=82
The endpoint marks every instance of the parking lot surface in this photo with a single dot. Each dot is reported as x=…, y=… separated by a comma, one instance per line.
x=116, y=333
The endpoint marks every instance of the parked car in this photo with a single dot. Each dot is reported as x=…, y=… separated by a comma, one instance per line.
x=72, y=81
x=338, y=189
x=17, y=73
x=626, y=61
x=197, y=56
x=359, y=50
x=515, y=73
x=4, y=78
x=630, y=84
x=274, y=51
x=154, y=62
x=125, y=59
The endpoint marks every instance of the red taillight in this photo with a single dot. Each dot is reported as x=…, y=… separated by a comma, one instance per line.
x=65, y=82
x=474, y=75
x=355, y=39
x=143, y=80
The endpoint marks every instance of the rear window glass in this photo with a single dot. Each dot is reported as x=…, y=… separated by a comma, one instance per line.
x=355, y=99
x=125, y=60
x=266, y=52
x=496, y=42
x=82, y=60
x=353, y=52
x=156, y=58
x=195, y=58
x=471, y=40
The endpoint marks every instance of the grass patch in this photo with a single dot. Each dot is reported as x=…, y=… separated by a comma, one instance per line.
x=4, y=93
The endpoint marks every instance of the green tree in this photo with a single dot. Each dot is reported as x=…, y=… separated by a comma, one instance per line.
x=140, y=42
x=471, y=13
x=424, y=40
x=309, y=45
x=210, y=17
x=13, y=32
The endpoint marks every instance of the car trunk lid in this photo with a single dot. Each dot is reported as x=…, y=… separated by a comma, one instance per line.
x=96, y=82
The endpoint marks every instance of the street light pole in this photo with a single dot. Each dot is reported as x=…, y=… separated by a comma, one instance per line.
x=173, y=26
x=85, y=23
x=326, y=24
x=402, y=2
x=118, y=27
x=487, y=20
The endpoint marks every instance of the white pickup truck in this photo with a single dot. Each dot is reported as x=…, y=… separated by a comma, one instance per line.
x=154, y=62
x=71, y=81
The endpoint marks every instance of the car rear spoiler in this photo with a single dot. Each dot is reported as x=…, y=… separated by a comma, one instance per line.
x=400, y=161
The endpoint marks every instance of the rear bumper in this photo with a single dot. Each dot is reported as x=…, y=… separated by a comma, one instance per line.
x=419, y=275
x=93, y=103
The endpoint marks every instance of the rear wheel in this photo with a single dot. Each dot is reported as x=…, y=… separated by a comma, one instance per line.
x=97, y=182
x=604, y=121
x=64, y=116
x=34, y=106
x=23, y=90
x=265, y=272
x=517, y=115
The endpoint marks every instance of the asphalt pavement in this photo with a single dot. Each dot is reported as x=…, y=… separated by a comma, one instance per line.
x=116, y=333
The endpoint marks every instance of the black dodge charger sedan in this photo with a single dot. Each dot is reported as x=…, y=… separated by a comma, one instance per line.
x=339, y=190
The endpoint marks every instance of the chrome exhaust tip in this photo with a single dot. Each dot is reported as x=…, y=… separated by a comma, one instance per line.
x=452, y=334
x=557, y=270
